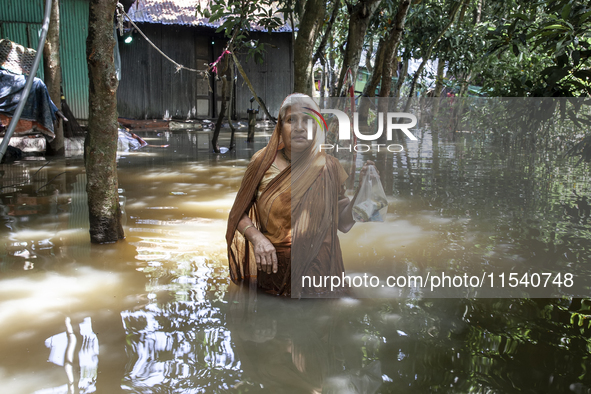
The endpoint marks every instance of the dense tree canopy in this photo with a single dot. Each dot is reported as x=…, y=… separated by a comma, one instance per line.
x=501, y=48
x=507, y=47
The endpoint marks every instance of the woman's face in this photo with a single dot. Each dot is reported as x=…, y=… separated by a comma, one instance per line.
x=294, y=129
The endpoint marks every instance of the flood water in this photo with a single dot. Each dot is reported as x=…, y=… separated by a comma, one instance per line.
x=156, y=313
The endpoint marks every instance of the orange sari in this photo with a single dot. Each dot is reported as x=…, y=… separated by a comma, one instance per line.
x=298, y=212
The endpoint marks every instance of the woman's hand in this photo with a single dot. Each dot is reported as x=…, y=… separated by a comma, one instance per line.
x=365, y=168
x=264, y=253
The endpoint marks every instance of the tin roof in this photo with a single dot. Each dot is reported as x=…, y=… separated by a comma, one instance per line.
x=181, y=12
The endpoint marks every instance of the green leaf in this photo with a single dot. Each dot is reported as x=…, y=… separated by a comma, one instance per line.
x=552, y=27
x=576, y=56
x=566, y=10
x=557, y=76
x=559, y=48
x=555, y=8
x=584, y=17
x=520, y=16
x=215, y=16
x=549, y=70
x=258, y=58
x=562, y=60
x=583, y=74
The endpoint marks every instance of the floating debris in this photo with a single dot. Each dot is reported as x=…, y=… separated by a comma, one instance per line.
x=184, y=126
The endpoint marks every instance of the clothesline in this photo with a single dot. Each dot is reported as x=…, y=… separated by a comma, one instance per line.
x=179, y=67
x=205, y=73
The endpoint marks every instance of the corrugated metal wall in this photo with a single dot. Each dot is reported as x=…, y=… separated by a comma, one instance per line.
x=22, y=10
x=273, y=80
x=20, y=21
x=151, y=89
x=73, y=32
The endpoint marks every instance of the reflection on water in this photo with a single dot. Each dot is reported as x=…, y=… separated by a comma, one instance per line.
x=157, y=312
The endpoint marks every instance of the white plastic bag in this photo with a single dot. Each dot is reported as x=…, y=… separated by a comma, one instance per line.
x=371, y=204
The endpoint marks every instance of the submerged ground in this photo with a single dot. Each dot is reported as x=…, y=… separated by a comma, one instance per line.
x=156, y=313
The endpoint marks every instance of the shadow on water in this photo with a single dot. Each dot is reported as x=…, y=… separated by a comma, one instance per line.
x=158, y=314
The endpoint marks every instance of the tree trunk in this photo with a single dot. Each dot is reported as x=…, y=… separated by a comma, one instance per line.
x=428, y=54
x=53, y=75
x=385, y=88
x=327, y=32
x=385, y=58
x=468, y=76
x=368, y=65
x=231, y=106
x=360, y=14
x=218, y=123
x=399, y=83
x=438, y=86
x=370, y=87
x=387, y=76
x=478, y=11
x=464, y=86
x=322, y=82
x=332, y=77
x=310, y=25
x=101, y=140
x=301, y=8
x=395, y=37
x=439, y=78
x=222, y=113
x=463, y=13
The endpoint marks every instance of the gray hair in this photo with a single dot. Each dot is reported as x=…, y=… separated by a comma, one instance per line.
x=297, y=98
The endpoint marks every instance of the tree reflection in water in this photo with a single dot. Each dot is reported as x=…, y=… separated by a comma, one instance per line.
x=476, y=201
x=494, y=203
x=488, y=204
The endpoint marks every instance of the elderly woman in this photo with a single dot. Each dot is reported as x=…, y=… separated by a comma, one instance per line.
x=288, y=208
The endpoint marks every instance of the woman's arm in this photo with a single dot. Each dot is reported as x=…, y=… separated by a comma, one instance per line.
x=264, y=251
x=346, y=221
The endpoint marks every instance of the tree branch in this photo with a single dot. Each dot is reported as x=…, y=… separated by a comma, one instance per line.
x=427, y=55
x=327, y=33
x=243, y=74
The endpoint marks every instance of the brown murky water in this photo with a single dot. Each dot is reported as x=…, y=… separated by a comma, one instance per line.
x=157, y=313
